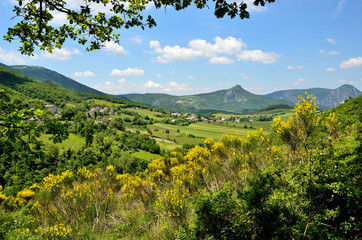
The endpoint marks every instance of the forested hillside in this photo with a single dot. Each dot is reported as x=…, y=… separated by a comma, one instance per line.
x=42, y=74
x=327, y=98
x=235, y=99
x=301, y=180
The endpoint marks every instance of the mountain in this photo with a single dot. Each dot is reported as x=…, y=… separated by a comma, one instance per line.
x=42, y=74
x=326, y=98
x=24, y=88
x=235, y=99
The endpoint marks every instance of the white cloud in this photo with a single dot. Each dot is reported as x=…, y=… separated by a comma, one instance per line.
x=122, y=81
x=339, y=8
x=114, y=48
x=352, y=63
x=122, y=87
x=11, y=57
x=330, y=69
x=201, y=48
x=59, y=18
x=258, y=56
x=177, y=87
x=191, y=77
x=228, y=45
x=61, y=54
x=299, y=81
x=172, y=86
x=321, y=51
x=223, y=84
x=107, y=87
x=295, y=67
x=342, y=81
x=173, y=54
x=96, y=7
x=127, y=72
x=137, y=39
x=84, y=74
x=253, y=8
x=221, y=60
x=172, y=72
x=151, y=84
x=158, y=75
x=244, y=76
x=331, y=41
x=335, y=53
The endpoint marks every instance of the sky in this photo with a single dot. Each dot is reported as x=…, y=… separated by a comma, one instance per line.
x=286, y=45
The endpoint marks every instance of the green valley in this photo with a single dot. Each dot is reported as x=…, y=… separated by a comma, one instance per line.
x=78, y=165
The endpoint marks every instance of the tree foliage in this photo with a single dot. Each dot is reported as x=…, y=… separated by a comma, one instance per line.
x=263, y=186
x=35, y=29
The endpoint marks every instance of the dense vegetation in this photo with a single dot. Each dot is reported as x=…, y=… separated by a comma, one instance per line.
x=327, y=98
x=42, y=74
x=300, y=181
x=26, y=90
x=235, y=99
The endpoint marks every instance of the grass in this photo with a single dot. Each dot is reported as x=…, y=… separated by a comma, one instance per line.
x=204, y=130
x=145, y=155
x=73, y=142
x=168, y=146
x=146, y=112
x=173, y=135
x=105, y=103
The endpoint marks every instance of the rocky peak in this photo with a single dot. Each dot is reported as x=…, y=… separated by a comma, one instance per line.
x=235, y=94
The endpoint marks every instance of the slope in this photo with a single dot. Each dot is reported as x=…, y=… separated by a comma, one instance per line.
x=42, y=74
x=326, y=98
x=25, y=87
x=51, y=92
x=235, y=99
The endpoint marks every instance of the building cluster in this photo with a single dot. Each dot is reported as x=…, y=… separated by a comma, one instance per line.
x=101, y=110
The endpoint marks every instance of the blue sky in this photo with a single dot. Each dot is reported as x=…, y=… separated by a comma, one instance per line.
x=289, y=44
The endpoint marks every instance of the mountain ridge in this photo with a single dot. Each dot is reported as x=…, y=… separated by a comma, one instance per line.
x=326, y=98
x=42, y=74
x=235, y=99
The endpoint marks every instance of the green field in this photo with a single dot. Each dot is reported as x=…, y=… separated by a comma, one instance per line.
x=168, y=146
x=204, y=130
x=73, y=142
x=146, y=112
x=145, y=155
x=105, y=103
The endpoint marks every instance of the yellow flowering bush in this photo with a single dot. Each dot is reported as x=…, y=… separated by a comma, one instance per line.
x=197, y=157
x=332, y=124
x=53, y=183
x=64, y=201
x=134, y=187
x=156, y=169
x=305, y=112
x=173, y=203
x=298, y=128
x=57, y=231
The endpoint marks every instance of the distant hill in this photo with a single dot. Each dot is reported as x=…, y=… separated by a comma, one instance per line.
x=25, y=88
x=42, y=74
x=348, y=112
x=235, y=99
x=326, y=98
